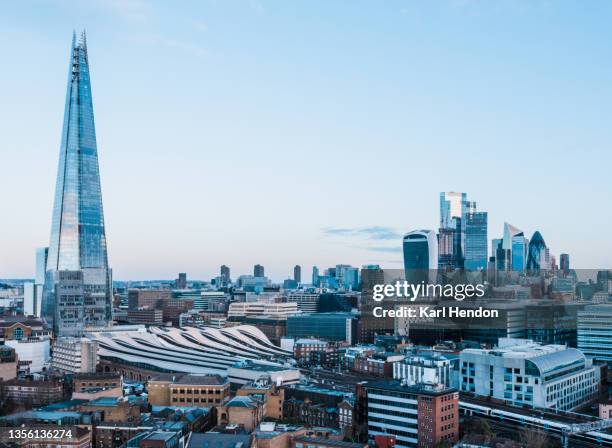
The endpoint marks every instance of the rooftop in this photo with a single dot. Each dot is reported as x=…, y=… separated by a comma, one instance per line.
x=217, y=440
x=328, y=442
x=203, y=380
x=419, y=389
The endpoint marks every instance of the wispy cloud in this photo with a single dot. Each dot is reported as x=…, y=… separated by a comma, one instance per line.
x=372, y=233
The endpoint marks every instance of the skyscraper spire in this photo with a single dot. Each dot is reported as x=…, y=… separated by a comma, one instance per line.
x=78, y=238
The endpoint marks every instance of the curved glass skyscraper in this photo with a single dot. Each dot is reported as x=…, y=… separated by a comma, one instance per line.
x=77, y=259
x=537, y=254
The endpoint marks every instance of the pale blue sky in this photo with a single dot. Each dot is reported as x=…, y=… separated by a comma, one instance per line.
x=242, y=132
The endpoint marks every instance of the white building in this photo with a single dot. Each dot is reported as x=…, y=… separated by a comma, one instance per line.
x=245, y=372
x=277, y=310
x=595, y=331
x=307, y=300
x=522, y=372
x=75, y=355
x=33, y=353
x=433, y=368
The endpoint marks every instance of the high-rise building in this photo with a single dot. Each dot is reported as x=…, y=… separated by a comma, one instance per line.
x=225, y=275
x=181, y=281
x=452, y=206
x=538, y=255
x=315, y=276
x=258, y=271
x=420, y=256
x=564, y=263
x=297, y=273
x=514, y=245
x=476, y=241
x=78, y=238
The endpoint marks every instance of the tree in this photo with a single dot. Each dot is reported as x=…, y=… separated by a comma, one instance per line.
x=534, y=438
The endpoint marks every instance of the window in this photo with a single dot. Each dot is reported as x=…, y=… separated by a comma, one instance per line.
x=18, y=334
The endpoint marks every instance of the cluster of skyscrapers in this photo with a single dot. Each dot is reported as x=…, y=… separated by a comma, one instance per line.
x=461, y=243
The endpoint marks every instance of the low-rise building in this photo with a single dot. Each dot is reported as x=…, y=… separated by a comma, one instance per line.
x=146, y=316
x=89, y=386
x=8, y=363
x=245, y=411
x=522, y=372
x=247, y=371
x=273, y=396
x=34, y=393
x=188, y=390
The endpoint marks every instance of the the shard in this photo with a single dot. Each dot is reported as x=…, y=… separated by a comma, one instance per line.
x=77, y=292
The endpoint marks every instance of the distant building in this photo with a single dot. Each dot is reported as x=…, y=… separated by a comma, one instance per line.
x=418, y=415
x=476, y=241
x=564, y=263
x=258, y=271
x=327, y=326
x=181, y=281
x=147, y=298
x=273, y=396
x=146, y=316
x=272, y=309
x=307, y=300
x=245, y=372
x=225, y=276
x=538, y=256
x=297, y=274
x=420, y=256
x=315, y=276
x=525, y=373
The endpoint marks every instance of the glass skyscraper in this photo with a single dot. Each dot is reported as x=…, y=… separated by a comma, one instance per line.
x=476, y=241
x=78, y=239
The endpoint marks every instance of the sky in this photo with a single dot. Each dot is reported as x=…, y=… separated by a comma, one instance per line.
x=310, y=132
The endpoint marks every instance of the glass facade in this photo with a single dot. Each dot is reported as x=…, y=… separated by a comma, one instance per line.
x=536, y=253
x=78, y=240
x=476, y=241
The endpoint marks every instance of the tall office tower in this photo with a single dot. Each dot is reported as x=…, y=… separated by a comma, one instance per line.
x=564, y=263
x=315, y=276
x=225, y=275
x=181, y=281
x=476, y=241
x=369, y=325
x=39, y=281
x=258, y=271
x=514, y=244
x=297, y=273
x=420, y=256
x=78, y=239
x=454, y=208
x=538, y=255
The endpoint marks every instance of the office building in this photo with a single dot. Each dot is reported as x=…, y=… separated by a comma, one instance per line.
x=538, y=256
x=524, y=373
x=33, y=393
x=595, y=332
x=326, y=326
x=417, y=416
x=75, y=355
x=145, y=316
x=427, y=367
x=225, y=275
x=476, y=241
x=147, y=298
x=33, y=353
x=271, y=309
x=181, y=281
x=420, y=256
x=564, y=263
x=315, y=276
x=307, y=300
x=188, y=390
x=78, y=238
x=258, y=271
x=297, y=274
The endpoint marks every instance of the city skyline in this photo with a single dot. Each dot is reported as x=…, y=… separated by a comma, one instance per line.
x=193, y=201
